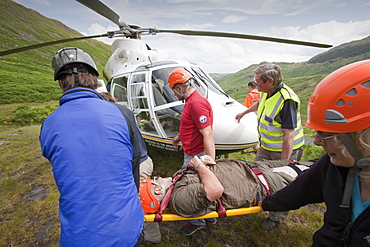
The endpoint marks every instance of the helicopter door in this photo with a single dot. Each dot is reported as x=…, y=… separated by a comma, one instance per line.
x=167, y=111
x=119, y=89
x=139, y=100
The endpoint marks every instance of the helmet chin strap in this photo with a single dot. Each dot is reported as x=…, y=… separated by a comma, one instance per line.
x=75, y=72
x=360, y=162
x=182, y=95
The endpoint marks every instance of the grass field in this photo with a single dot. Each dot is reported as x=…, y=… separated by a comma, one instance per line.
x=29, y=201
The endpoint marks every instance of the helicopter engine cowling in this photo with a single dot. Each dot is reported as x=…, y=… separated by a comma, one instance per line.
x=127, y=55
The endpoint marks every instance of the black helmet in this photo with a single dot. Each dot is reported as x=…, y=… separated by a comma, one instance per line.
x=71, y=55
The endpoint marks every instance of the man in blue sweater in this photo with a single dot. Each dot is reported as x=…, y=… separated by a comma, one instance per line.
x=87, y=141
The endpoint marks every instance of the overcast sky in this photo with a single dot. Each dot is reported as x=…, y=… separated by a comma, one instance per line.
x=322, y=21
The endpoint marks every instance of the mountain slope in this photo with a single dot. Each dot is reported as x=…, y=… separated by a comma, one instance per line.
x=353, y=50
x=27, y=76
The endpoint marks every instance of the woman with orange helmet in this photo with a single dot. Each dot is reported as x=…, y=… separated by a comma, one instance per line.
x=339, y=112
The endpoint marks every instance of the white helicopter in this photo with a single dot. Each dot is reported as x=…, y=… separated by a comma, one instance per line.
x=137, y=78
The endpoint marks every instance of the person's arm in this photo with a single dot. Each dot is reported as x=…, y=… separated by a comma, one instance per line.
x=288, y=136
x=212, y=185
x=208, y=141
x=248, y=101
x=302, y=190
x=253, y=108
x=289, y=121
x=176, y=140
x=136, y=139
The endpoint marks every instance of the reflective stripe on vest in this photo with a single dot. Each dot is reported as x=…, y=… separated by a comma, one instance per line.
x=255, y=96
x=270, y=131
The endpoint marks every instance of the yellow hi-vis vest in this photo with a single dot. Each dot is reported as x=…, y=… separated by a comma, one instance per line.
x=269, y=130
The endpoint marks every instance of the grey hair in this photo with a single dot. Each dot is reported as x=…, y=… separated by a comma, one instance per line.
x=361, y=139
x=270, y=71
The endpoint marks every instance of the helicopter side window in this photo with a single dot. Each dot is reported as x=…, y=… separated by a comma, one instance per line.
x=169, y=119
x=119, y=89
x=138, y=92
x=160, y=77
x=145, y=123
x=158, y=94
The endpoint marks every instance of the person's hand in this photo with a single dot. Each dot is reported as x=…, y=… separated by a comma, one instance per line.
x=262, y=211
x=206, y=159
x=239, y=116
x=195, y=162
x=176, y=141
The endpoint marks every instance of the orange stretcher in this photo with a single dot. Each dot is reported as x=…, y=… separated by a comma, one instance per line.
x=230, y=212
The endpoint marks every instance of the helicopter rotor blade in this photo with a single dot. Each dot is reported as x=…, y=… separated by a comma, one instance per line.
x=103, y=10
x=30, y=47
x=241, y=36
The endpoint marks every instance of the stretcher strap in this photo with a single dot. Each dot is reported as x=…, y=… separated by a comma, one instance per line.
x=261, y=178
x=166, y=199
x=221, y=210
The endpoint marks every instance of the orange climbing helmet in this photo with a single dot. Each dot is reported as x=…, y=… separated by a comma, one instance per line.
x=179, y=75
x=149, y=203
x=339, y=102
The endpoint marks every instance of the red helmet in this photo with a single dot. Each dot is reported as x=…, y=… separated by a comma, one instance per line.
x=149, y=203
x=339, y=102
x=178, y=76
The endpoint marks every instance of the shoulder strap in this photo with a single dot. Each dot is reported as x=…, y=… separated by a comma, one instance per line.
x=166, y=198
x=259, y=175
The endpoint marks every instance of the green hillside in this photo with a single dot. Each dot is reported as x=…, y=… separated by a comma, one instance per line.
x=27, y=76
x=301, y=77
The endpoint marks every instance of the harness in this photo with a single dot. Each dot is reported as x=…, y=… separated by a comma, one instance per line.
x=260, y=176
x=221, y=210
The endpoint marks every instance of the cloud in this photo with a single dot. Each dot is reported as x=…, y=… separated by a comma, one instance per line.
x=42, y=2
x=332, y=32
x=234, y=19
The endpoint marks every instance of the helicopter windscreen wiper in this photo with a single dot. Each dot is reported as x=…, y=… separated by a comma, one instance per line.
x=192, y=72
x=205, y=79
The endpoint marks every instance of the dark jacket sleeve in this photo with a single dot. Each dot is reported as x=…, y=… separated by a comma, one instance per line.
x=305, y=189
x=138, y=146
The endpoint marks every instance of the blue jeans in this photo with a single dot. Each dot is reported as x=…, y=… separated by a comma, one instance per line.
x=188, y=157
x=201, y=222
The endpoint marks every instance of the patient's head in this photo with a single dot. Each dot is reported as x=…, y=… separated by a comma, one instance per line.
x=151, y=193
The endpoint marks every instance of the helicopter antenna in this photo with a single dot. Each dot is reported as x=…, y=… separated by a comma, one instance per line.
x=150, y=60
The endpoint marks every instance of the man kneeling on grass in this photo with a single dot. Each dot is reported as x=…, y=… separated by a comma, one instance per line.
x=232, y=181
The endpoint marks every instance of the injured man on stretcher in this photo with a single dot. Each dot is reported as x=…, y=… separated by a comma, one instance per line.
x=205, y=181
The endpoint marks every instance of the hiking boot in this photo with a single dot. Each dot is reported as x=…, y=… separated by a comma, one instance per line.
x=269, y=224
x=188, y=229
x=211, y=221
